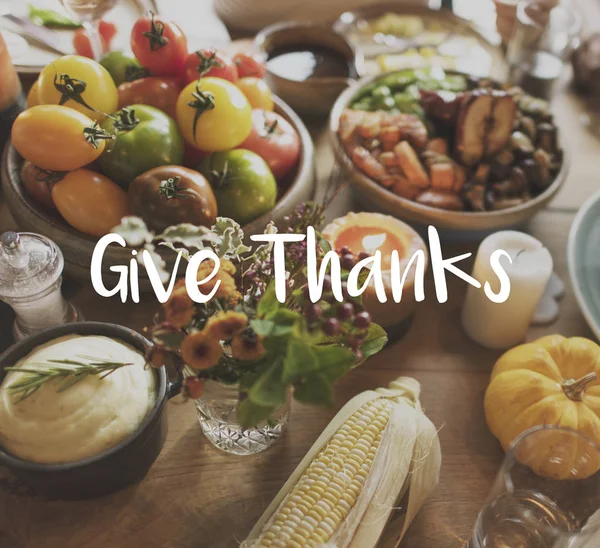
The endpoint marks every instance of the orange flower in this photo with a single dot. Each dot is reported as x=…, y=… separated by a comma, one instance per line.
x=179, y=309
x=224, y=325
x=227, y=288
x=200, y=350
x=247, y=346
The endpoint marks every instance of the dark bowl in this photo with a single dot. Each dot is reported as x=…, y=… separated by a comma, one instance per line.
x=121, y=465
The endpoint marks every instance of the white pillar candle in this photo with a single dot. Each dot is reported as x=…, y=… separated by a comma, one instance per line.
x=504, y=325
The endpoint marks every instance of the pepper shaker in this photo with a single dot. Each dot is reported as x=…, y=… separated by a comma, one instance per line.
x=30, y=278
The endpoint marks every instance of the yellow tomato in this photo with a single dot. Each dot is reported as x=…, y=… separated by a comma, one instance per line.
x=257, y=92
x=79, y=83
x=33, y=97
x=225, y=116
x=90, y=202
x=53, y=137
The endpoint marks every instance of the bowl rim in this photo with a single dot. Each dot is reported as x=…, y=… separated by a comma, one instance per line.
x=410, y=205
x=12, y=162
x=126, y=335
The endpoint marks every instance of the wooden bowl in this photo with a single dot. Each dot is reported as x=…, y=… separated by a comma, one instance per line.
x=77, y=247
x=315, y=96
x=458, y=223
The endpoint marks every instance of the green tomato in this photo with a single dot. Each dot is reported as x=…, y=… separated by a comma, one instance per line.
x=123, y=68
x=242, y=182
x=145, y=138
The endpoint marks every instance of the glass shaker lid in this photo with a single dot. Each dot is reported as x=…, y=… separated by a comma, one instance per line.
x=29, y=264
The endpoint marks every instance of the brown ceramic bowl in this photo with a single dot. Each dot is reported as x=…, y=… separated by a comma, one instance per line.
x=463, y=224
x=78, y=247
x=121, y=465
x=315, y=96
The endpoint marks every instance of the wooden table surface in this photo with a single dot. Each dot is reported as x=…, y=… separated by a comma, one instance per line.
x=196, y=496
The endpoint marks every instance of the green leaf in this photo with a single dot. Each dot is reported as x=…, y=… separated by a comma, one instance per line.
x=169, y=338
x=229, y=238
x=250, y=414
x=187, y=234
x=375, y=340
x=262, y=327
x=50, y=18
x=285, y=320
x=315, y=390
x=268, y=303
x=334, y=361
x=263, y=251
x=269, y=389
x=185, y=254
x=300, y=360
x=134, y=231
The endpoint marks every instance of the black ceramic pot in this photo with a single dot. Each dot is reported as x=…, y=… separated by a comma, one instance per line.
x=126, y=463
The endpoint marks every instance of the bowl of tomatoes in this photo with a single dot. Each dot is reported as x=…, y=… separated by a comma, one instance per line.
x=169, y=135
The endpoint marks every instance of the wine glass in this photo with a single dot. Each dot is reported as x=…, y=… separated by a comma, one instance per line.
x=89, y=13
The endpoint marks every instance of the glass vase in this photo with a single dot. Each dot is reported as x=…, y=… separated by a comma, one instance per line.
x=217, y=413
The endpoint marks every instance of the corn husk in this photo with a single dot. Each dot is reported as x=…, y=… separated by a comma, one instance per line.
x=407, y=459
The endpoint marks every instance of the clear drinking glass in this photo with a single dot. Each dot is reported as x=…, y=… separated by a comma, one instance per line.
x=217, y=413
x=89, y=13
x=546, y=495
x=541, y=44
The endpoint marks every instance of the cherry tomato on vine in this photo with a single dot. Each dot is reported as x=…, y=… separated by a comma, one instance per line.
x=90, y=202
x=79, y=83
x=57, y=138
x=160, y=46
x=213, y=114
x=250, y=64
x=207, y=62
x=38, y=183
x=257, y=92
x=161, y=93
x=275, y=140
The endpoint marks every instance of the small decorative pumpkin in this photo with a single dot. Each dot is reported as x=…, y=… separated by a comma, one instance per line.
x=552, y=381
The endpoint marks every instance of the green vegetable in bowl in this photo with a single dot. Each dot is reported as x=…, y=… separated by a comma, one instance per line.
x=51, y=18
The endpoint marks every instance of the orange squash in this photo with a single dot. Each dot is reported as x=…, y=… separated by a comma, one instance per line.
x=552, y=381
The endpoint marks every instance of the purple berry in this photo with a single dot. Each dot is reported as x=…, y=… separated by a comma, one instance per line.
x=345, y=250
x=348, y=261
x=363, y=255
x=313, y=312
x=331, y=327
x=344, y=311
x=362, y=320
x=326, y=282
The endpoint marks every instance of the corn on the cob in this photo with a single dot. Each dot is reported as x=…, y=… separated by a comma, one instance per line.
x=343, y=492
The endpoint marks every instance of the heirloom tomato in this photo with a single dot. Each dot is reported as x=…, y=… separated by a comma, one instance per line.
x=171, y=195
x=57, y=138
x=79, y=83
x=122, y=68
x=250, y=64
x=33, y=97
x=38, y=183
x=213, y=114
x=145, y=138
x=207, y=62
x=160, y=46
x=275, y=140
x=90, y=202
x=257, y=92
x=242, y=182
x=160, y=93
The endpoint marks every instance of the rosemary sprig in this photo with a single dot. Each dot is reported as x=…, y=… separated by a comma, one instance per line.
x=66, y=372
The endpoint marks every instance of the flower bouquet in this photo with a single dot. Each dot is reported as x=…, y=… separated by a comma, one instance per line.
x=242, y=353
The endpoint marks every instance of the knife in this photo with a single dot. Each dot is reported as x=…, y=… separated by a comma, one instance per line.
x=42, y=35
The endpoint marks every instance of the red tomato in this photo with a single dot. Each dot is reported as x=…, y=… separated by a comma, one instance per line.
x=161, y=93
x=250, y=64
x=160, y=47
x=192, y=156
x=38, y=183
x=206, y=62
x=275, y=140
x=81, y=41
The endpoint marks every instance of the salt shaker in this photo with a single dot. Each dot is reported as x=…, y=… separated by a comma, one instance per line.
x=30, y=277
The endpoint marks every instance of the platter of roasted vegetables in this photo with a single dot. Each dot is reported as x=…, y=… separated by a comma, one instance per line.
x=449, y=142
x=169, y=135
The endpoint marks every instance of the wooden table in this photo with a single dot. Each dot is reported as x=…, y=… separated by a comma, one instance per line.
x=196, y=496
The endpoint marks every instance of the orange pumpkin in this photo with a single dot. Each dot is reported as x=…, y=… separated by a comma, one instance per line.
x=552, y=381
